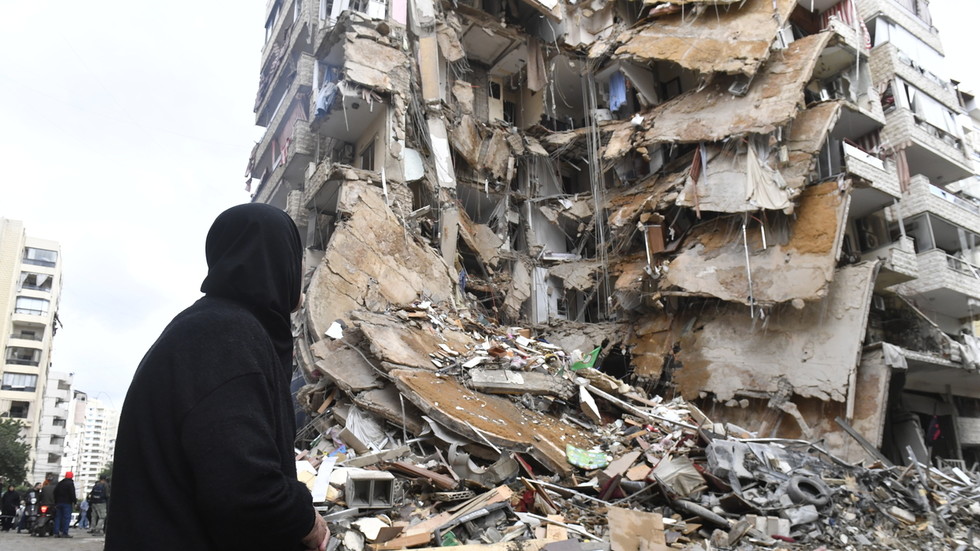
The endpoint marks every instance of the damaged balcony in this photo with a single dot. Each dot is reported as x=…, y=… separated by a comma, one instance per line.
x=330, y=11
x=912, y=15
x=888, y=60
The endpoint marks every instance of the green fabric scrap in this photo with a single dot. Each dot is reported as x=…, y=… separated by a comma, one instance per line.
x=588, y=360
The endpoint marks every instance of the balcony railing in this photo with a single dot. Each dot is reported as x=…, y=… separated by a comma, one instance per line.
x=26, y=336
x=958, y=201
x=30, y=312
x=21, y=361
x=30, y=287
x=962, y=266
x=38, y=262
x=933, y=130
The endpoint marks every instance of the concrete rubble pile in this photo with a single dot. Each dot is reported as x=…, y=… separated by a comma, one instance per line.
x=594, y=274
x=433, y=427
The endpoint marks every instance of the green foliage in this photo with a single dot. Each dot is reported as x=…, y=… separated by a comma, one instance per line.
x=107, y=471
x=14, y=453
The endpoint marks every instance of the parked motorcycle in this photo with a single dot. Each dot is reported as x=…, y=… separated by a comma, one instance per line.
x=29, y=513
x=44, y=524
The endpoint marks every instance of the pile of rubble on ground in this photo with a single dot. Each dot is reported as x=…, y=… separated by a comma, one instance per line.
x=432, y=428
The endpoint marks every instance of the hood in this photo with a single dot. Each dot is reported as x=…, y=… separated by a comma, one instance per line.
x=255, y=257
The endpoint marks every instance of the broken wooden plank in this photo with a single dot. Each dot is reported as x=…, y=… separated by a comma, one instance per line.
x=439, y=480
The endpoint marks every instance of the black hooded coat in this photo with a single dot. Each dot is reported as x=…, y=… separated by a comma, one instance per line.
x=204, y=452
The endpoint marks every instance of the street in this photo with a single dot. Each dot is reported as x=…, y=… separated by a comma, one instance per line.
x=81, y=541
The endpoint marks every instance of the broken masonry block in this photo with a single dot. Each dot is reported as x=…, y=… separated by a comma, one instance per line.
x=370, y=489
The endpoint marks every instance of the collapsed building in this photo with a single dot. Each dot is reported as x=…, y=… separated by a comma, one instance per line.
x=760, y=208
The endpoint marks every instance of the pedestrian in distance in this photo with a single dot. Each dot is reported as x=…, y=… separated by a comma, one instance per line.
x=64, y=500
x=98, y=500
x=204, y=456
x=82, y=514
x=9, y=503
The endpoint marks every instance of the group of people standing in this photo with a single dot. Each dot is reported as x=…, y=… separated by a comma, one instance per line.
x=62, y=498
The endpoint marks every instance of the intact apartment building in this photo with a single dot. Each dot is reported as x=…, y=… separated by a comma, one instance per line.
x=30, y=279
x=92, y=440
x=52, y=434
x=762, y=206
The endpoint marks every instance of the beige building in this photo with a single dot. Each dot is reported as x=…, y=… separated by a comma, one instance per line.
x=30, y=287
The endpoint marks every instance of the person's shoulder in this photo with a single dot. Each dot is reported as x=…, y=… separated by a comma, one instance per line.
x=214, y=315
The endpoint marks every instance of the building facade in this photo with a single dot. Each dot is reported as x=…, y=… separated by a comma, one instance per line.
x=52, y=433
x=771, y=220
x=30, y=288
x=96, y=441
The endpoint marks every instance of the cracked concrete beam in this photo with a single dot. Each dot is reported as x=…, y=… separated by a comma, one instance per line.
x=503, y=381
x=816, y=349
x=733, y=40
x=800, y=268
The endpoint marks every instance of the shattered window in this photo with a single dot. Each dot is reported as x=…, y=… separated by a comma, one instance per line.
x=35, y=282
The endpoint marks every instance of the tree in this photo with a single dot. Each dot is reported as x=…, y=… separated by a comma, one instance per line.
x=14, y=453
x=106, y=471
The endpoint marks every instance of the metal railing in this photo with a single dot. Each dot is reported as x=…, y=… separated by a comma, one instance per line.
x=956, y=200
x=39, y=262
x=21, y=361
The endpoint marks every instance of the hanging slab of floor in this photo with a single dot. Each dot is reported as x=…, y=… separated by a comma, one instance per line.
x=371, y=262
x=712, y=114
x=733, y=40
x=713, y=262
x=816, y=348
x=396, y=342
x=482, y=417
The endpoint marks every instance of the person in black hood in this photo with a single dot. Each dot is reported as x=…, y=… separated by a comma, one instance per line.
x=204, y=454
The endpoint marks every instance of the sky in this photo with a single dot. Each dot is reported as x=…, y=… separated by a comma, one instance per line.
x=126, y=128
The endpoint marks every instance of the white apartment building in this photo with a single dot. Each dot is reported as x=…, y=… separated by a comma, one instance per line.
x=30, y=287
x=96, y=442
x=53, y=429
x=76, y=430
